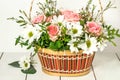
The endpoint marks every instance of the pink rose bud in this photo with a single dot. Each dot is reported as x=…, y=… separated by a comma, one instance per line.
x=53, y=31
x=38, y=19
x=48, y=19
x=71, y=16
x=94, y=28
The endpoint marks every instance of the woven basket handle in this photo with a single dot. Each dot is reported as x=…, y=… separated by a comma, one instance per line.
x=31, y=5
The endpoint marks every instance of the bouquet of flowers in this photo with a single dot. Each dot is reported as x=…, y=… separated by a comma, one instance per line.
x=59, y=30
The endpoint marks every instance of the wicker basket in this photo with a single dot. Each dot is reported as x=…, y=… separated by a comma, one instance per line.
x=65, y=63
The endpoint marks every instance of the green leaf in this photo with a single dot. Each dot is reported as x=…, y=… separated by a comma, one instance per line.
x=66, y=48
x=24, y=43
x=63, y=31
x=15, y=64
x=17, y=40
x=23, y=24
x=88, y=4
x=46, y=1
x=20, y=21
x=29, y=46
x=12, y=18
x=31, y=70
x=113, y=42
x=48, y=14
x=52, y=45
x=82, y=22
x=117, y=33
x=58, y=44
x=59, y=23
x=48, y=24
x=21, y=17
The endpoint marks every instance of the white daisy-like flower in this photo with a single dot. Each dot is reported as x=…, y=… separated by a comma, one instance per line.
x=101, y=45
x=68, y=25
x=89, y=46
x=73, y=46
x=30, y=33
x=39, y=31
x=56, y=19
x=24, y=63
x=75, y=29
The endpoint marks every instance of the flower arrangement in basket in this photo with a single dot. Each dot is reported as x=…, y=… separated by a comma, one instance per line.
x=65, y=40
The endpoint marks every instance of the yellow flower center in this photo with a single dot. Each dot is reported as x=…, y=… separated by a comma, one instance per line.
x=88, y=43
x=74, y=31
x=30, y=34
x=26, y=64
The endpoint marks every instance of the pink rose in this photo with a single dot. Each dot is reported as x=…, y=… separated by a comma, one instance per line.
x=71, y=16
x=94, y=28
x=38, y=19
x=53, y=31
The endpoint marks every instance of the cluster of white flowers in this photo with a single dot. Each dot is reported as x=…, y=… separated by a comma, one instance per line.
x=87, y=49
x=74, y=29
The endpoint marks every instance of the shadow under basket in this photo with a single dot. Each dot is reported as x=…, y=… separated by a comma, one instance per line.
x=65, y=63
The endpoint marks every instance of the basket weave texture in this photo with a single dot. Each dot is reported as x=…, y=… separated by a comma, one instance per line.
x=65, y=63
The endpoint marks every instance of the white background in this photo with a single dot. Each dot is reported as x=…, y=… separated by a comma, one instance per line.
x=9, y=30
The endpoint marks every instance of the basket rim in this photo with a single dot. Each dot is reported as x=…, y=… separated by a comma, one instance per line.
x=65, y=52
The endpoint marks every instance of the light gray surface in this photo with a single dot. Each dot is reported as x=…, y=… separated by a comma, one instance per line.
x=106, y=66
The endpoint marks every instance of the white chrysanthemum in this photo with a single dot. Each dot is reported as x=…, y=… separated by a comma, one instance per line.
x=25, y=62
x=101, y=45
x=75, y=29
x=56, y=19
x=30, y=33
x=68, y=25
x=39, y=31
x=73, y=46
x=89, y=46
